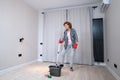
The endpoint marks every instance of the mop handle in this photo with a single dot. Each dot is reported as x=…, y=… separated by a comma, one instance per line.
x=58, y=53
x=59, y=48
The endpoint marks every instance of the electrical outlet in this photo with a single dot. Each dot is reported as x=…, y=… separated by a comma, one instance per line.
x=115, y=65
x=108, y=60
x=19, y=55
x=21, y=39
x=41, y=43
x=40, y=54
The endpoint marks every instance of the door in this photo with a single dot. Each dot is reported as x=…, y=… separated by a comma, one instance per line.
x=98, y=40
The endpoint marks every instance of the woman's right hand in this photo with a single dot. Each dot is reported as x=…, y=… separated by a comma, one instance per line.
x=60, y=41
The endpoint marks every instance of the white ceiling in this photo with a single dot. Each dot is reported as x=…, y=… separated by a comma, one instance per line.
x=46, y=4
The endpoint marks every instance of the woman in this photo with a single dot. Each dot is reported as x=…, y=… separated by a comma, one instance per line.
x=71, y=42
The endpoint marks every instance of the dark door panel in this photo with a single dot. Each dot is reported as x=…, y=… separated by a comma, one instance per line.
x=98, y=43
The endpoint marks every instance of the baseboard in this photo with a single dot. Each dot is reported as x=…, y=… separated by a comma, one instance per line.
x=40, y=60
x=16, y=67
x=99, y=64
x=113, y=72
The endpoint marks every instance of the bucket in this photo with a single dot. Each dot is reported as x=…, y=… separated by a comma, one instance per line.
x=55, y=70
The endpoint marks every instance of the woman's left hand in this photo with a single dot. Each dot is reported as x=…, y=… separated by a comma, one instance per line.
x=75, y=46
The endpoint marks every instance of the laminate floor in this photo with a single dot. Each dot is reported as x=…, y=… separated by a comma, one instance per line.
x=36, y=71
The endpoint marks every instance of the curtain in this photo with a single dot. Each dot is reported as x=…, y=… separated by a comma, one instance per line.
x=81, y=20
x=53, y=30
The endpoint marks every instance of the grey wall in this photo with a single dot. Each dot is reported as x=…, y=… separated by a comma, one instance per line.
x=17, y=20
x=40, y=35
x=97, y=13
x=112, y=29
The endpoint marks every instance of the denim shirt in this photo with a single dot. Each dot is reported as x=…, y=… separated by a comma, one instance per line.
x=73, y=35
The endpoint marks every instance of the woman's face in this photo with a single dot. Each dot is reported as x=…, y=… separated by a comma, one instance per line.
x=66, y=26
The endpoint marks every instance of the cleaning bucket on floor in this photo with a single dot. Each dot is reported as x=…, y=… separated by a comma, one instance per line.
x=55, y=70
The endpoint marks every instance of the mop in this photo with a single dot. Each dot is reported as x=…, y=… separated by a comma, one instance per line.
x=58, y=51
x=55, y=70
